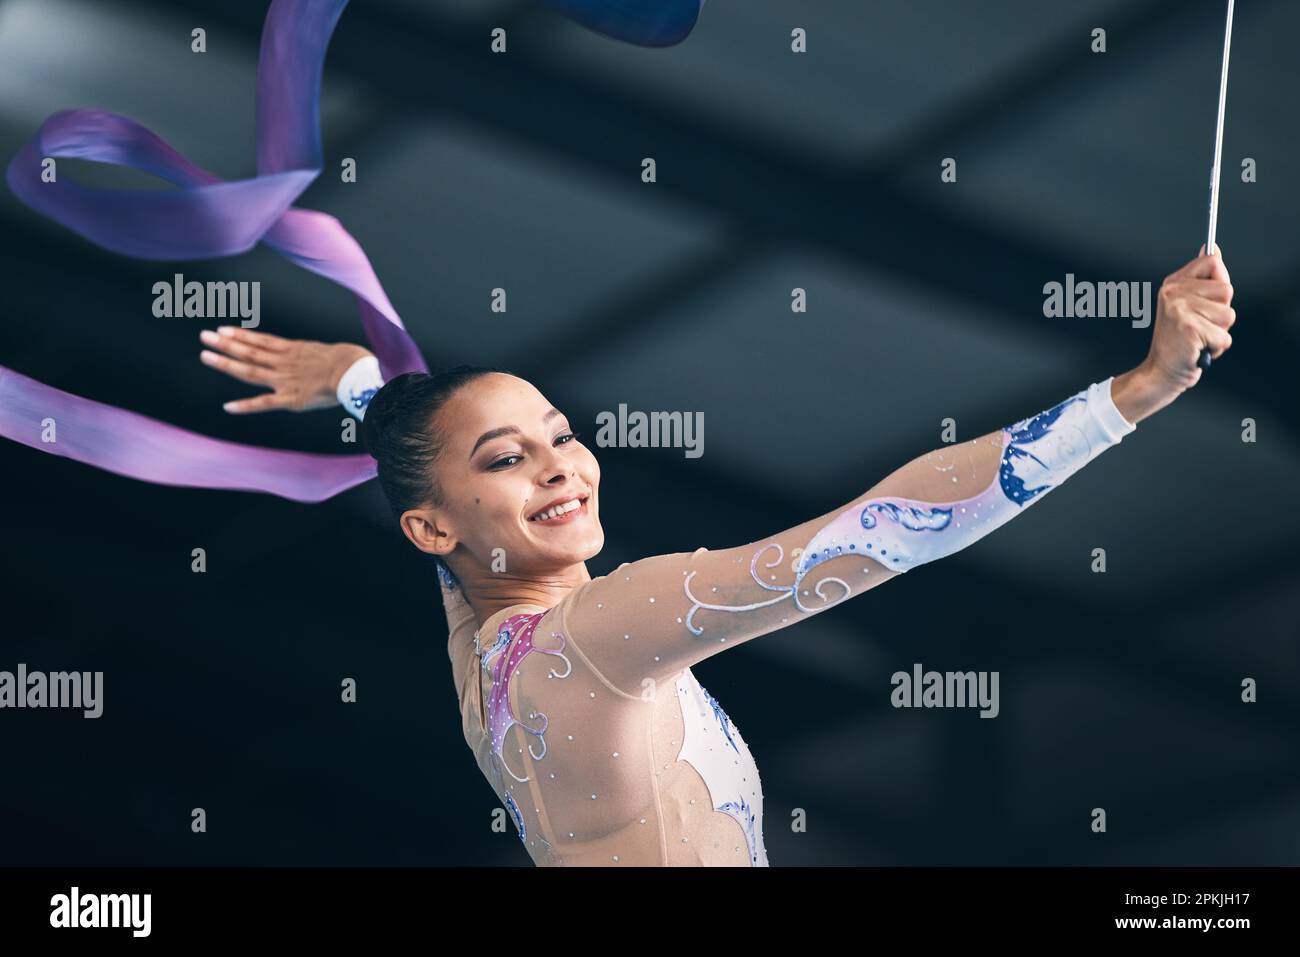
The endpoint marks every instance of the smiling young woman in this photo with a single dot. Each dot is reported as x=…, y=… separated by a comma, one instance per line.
x=576, y=693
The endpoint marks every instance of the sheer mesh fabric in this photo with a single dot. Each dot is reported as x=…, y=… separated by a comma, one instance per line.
x=604, y=779
x=586, y=718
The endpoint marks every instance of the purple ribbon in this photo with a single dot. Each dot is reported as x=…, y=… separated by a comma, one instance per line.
x=209, y=218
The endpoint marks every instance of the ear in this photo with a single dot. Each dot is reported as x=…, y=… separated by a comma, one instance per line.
x=426, y=532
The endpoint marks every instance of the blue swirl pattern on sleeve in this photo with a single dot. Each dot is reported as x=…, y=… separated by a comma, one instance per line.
x=900, y=533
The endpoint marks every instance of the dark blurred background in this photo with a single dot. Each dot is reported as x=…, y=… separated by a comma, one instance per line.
x=821, y=171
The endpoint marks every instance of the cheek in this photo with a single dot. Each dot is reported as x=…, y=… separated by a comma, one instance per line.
x=592, y=467
x=490, y=511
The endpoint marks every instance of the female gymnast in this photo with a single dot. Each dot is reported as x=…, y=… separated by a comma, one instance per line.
x=576, y=693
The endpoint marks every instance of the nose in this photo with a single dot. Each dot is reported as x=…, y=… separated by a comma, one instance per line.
x=556, y=469
x=560, y=476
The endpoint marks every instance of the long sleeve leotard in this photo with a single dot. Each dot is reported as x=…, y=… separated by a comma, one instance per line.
x=586, y=718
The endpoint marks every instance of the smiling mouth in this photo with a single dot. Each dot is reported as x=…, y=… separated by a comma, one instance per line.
x=563, y=511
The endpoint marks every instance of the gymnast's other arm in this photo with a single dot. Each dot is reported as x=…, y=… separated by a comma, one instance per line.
x=300, y=373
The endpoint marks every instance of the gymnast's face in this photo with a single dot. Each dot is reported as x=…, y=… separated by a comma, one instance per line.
x=514, y=477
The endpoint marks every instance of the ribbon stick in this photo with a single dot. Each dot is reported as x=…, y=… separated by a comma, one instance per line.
x=208, y=218
x=1204, y=360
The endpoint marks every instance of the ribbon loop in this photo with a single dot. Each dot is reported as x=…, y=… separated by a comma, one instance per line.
x=208, y=218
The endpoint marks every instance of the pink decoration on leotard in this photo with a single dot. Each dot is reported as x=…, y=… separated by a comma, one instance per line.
x=514, y=642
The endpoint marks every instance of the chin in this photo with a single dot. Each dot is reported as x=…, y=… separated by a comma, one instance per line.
x=595, y=548
x=587, y=550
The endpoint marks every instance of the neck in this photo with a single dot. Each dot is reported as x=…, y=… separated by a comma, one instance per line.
x=491, y=592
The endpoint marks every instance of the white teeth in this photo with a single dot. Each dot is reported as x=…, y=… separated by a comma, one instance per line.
x=560, y=509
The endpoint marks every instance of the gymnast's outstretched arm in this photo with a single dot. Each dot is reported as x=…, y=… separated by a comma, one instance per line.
x=648, y=619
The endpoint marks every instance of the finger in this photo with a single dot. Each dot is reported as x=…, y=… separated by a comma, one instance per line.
x=1222, y=270
x=238, y=349
x=1218, y=313
x=1218, y=269
x=259, y=340
x=1217, y=340
x=1212, y=289
x=1185, y=271
x=1202, y=267
x=243, y=371
x=258, y=403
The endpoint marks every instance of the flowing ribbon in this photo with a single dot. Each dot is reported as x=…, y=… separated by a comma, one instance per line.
x=207, y=218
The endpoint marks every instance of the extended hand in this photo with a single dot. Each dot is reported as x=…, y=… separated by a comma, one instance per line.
x=301, y=374
x=1193, y=311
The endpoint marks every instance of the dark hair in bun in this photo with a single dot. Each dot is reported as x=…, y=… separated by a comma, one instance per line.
x=399, y=431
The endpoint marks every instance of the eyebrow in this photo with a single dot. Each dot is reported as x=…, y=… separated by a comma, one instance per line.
x=491, y=434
